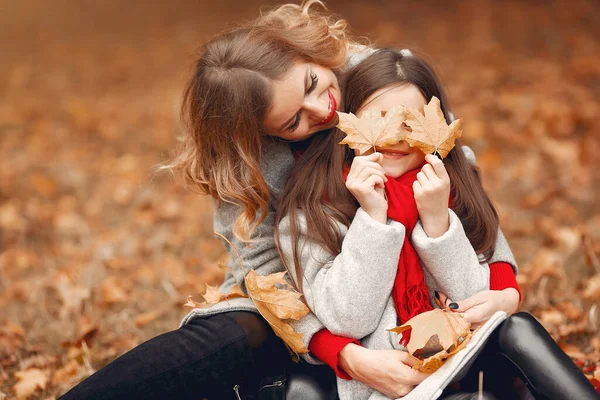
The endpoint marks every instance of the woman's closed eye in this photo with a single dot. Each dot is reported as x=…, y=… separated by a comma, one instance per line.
x=314, y=80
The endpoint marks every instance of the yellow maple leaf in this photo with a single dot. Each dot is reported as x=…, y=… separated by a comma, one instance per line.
x=278, y=304
x=435, y=336
x=371, y=129
x=276, y=300
x=430, y=132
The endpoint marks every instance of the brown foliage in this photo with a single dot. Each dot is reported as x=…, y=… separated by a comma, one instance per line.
x=89, y=108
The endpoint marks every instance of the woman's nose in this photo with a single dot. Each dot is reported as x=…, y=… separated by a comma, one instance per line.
x=317, y=107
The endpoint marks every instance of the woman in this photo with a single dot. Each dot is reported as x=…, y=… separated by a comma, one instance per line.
x=253, y=89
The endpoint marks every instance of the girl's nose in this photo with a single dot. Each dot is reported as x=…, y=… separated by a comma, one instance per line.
x=317, y=107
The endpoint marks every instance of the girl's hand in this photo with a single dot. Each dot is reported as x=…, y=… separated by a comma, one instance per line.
x=432, y=192
x=480, y=307
x=387, y=371
x=366, y=183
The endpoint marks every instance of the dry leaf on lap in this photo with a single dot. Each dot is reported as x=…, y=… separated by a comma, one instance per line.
x=277, y=304
x=214, y=296
x=371, y=129
x=434, y=336
x=430, y=132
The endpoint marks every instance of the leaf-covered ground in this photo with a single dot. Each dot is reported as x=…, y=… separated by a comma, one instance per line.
x=98, y=252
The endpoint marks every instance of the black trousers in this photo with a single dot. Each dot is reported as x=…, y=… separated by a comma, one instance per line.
x=206, y=358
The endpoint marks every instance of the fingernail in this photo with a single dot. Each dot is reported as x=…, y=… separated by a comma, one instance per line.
x=453, y=306
x=437, y=295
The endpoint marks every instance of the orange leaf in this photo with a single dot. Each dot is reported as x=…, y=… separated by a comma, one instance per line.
x=430, y=133
x=214, y=296
x=276, y=305
x=371, y=129
x=29, y=382
x=435, y=336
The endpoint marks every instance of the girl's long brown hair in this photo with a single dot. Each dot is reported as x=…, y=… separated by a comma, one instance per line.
x=229, y=94
x=325, y=201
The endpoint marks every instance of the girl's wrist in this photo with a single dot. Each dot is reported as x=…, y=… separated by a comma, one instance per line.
x=346, y=356
x=378, y=215
x=436, y=226
x=512, y=299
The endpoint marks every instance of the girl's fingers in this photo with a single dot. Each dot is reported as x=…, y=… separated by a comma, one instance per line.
x=438, y=166
x=417, y=189
x=422, y=179
x=367, y=172
x=359, y=164
x=373, y=181
x=429, y=172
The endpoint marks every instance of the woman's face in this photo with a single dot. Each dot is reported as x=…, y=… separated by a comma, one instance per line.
x=399, y=158
x=304, y=102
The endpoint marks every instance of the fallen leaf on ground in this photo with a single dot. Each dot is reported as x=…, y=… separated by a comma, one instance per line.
x=592, y=288
x=29, y=381
x=371, y=129
x=430, y=132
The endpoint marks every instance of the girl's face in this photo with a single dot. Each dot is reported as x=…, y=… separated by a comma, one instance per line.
x=399, y=158
x=304, y=102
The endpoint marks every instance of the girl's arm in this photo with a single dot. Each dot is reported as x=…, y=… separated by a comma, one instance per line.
x=440, y=240
x=451, y=260
x=348, y=292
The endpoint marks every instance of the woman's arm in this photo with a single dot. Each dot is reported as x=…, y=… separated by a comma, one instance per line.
x=348, y=292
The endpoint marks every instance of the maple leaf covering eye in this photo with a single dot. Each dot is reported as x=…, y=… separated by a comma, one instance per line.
x=430, y=132
x=372, y=129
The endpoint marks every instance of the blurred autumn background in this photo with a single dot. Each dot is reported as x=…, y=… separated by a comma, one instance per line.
x=98, y=252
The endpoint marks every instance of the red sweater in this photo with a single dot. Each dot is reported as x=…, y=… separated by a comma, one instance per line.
x=326, y=346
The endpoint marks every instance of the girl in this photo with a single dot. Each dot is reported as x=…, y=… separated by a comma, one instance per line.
x=362, y=268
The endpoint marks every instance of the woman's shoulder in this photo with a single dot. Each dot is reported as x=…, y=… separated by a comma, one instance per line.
x=276, y=161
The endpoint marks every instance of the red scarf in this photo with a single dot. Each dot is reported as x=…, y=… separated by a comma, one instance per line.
x=410, y=293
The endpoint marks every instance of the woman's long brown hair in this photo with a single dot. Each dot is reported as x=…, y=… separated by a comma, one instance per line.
x=316, y=187
x=230, y=92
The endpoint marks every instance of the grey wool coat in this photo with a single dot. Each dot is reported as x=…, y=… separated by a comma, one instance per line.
x=350, y=293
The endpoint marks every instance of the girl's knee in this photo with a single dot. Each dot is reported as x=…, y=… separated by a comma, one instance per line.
x=518, y=330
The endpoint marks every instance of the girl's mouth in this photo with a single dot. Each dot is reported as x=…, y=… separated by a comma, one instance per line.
x=332, y=109
x=392, y=154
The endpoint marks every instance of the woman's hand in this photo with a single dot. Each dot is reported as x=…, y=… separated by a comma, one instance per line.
x=366, y=183
x=387, y=371
x=480, y=307
x=432, y=191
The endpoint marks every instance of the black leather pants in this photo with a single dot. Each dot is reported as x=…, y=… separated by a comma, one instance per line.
x=521, y=348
